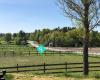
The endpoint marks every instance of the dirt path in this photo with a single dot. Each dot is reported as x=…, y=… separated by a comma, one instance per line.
x=32, y=77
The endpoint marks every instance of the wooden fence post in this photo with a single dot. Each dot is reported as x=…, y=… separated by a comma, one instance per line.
x=4, y=53
x=17, y=67
x=44, y=68
x=53, y=52
x=29, y=53
x=20, y=53
x=45, y=53
x=13, y=53
x=60, y=53
x=66, y=66
x=50, y=53
x=37, y=53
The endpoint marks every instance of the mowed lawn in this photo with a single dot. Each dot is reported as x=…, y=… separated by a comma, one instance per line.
x=33, y=59
x=40, y=59
x=22, y=57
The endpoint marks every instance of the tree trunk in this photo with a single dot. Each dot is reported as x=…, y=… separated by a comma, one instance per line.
x=86, y=38
x=85, y=51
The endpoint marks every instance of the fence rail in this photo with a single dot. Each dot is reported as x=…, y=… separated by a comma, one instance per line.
x=52, y=68
x=29, y=53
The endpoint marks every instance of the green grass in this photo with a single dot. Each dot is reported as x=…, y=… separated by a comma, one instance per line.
x=15, y=48
x=25, y=59
x=22, y=57
x=49, y=59
x=34, y=59
x=9, y=77
x=8, y=50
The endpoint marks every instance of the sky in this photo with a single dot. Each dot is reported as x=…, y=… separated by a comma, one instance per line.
x=28, y=15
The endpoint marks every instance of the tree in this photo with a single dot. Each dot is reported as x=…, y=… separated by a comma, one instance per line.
x=45, y=31
x=31, y=36
x=14, y=35
x=18, y=40
x=94, y=39
x=88, y=13
x=28, y=36
x=66, y=29
x=8, y=37
x=37, y=35
x=21, y=39
x=76, y=35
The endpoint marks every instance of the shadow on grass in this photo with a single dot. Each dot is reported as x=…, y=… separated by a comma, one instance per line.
x=9, y=77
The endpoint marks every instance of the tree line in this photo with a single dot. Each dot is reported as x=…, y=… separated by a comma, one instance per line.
x=58, y=37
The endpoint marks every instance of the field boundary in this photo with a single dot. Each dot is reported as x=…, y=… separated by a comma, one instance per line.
x=43, y=68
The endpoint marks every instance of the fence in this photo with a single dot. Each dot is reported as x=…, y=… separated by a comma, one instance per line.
x=34, y=53
x=29, y=53
x=53, y=68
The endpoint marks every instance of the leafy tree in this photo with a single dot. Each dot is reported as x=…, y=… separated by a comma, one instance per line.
x=37, y=35
x=21, y=34
x=14, y=35
x=18, y=41
x=94, y=39
x=45, y=31
x=66, y=29
x=8, y=37
x=21, y=38
x=31, y=37
x=28, y=36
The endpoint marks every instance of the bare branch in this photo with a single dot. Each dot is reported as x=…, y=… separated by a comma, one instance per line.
x=68, y=14
x=75, y=9
x=93, y=26
x=72, y=10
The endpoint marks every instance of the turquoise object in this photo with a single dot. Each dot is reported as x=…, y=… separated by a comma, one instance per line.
x=41, y=49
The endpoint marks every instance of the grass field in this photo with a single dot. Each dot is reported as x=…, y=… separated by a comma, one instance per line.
x=36, y=59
